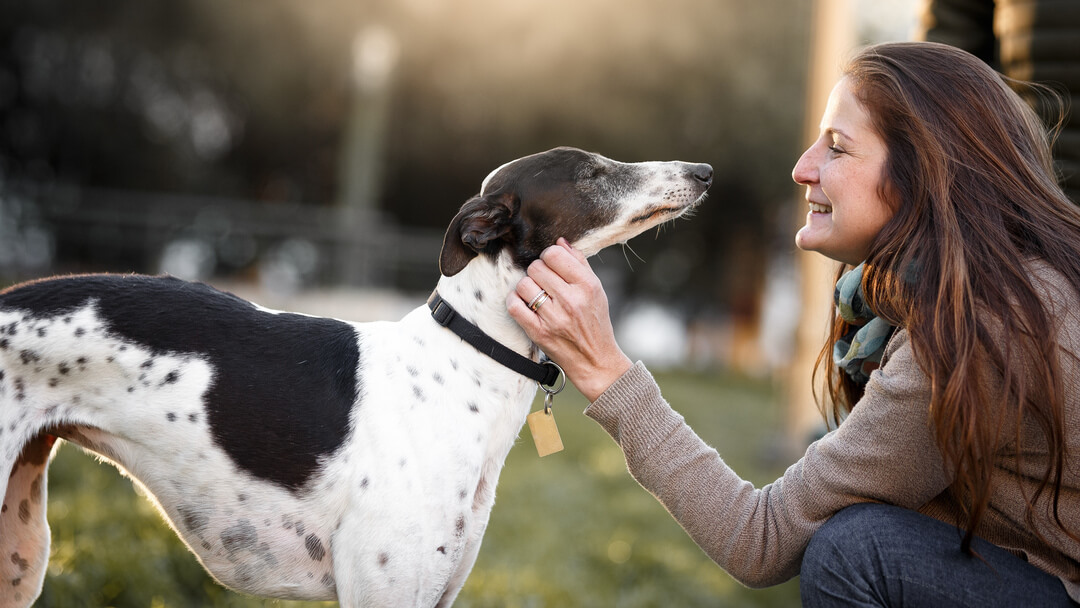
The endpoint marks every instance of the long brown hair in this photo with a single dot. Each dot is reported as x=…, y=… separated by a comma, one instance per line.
x=970, y=177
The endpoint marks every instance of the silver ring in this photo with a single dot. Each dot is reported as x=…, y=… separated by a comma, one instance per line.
x=538, y=301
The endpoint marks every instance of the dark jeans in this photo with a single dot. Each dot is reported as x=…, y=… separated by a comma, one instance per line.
x=878, y=555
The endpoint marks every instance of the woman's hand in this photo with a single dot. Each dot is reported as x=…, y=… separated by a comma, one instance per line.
x=573, y=326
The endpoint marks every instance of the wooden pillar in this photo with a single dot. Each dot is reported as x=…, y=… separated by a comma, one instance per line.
x=833, y=36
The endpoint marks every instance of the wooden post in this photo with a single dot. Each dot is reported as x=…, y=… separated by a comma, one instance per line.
x=832, y=37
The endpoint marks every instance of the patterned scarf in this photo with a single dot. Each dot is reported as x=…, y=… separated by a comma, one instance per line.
x=859, y=351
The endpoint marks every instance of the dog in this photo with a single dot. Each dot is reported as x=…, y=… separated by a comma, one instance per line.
x=301, y=457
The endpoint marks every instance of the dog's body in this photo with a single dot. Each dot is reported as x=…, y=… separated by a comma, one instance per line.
x=301, y=457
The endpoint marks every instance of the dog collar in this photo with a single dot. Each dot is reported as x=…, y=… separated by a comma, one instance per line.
x=546, y=373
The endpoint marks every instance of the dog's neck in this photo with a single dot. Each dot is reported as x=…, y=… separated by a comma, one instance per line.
x=478, y=293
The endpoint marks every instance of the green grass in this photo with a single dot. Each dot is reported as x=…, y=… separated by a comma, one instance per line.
x=571, y=529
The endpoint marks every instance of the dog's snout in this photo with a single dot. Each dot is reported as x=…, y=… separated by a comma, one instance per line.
x=703, y=173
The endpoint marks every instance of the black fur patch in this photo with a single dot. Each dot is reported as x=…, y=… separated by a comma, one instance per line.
x=284, y=383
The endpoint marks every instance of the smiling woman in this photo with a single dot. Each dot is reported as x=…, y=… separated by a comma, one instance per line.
x=843, y=171
x=956, y=336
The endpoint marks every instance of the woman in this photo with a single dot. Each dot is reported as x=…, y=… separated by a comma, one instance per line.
x=953, y=479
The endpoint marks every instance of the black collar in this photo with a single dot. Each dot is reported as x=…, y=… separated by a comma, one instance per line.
x=545, y=373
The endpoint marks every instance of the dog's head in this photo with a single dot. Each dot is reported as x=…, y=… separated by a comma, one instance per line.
x=592, y=201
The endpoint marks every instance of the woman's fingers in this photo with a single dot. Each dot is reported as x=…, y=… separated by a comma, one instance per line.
x=571, y=323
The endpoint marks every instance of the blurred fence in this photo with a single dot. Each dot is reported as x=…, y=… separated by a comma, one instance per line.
x=46, y=228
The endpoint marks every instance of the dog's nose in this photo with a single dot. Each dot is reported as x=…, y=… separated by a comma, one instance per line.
x=703, y=173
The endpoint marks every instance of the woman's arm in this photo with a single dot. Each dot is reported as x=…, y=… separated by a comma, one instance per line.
x=883, y=452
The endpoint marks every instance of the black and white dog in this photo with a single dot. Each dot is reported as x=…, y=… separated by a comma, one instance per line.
x=302, y=457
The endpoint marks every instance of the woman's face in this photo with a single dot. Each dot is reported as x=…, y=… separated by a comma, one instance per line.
x=843, y=172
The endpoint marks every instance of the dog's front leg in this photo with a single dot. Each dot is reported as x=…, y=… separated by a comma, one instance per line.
x=483, y=501
x=468, y=558
x=374, y=564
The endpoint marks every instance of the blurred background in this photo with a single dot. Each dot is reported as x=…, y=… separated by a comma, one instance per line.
x=308, y=155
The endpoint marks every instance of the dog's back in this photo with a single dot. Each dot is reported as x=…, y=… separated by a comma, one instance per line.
x=222, y=410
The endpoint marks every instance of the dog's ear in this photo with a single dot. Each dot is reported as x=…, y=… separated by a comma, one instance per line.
x=481, y=222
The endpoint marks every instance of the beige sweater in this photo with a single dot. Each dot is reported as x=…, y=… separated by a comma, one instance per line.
x=884, y=452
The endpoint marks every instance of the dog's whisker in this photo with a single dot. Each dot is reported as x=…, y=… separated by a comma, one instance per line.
x=626, y=247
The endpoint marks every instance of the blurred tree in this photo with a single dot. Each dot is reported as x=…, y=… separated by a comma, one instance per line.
x=219, y=97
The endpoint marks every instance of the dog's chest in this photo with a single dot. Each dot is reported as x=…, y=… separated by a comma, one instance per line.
x=419, y=379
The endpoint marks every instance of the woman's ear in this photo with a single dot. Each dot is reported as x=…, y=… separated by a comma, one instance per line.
x=482, y=222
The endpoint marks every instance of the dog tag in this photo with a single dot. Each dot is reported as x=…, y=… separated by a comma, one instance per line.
x=544, y=432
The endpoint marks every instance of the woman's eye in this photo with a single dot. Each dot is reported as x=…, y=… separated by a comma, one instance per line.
x=836, y=149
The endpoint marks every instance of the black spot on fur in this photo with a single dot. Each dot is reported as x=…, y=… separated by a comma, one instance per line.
x=364, y=483
x=24, y=511
x=193, y=418
x=193, y=520
x=384, y=559
x=171, y=377
x=459, y=526
x=328, y=580
x=418, y=393
x=28, y=356
x=63, y=369
x=283, y=386
x=147, y=364
x=479, y=295
x=241, y=535
x=22, y=564
x=41, y=332
x=53, y=382
x=4, y=344
x=441, y=549
x=437, y=378
x=314, y=547
x=79, y=332
x=299, y=528
x=473, y=407
x=412, y=371
x=171, y=417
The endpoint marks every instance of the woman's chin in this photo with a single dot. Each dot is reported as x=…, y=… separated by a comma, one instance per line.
x=806, y=239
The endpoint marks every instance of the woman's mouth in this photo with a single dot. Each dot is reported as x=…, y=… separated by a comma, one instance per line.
x=819, y=208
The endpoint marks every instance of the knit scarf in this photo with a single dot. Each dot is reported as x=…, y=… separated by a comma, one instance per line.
x=859, y=351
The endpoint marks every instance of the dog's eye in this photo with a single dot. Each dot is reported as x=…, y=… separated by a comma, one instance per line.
x=591, y=171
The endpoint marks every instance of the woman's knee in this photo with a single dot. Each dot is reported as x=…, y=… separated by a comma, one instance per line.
x=849, y=529
x=844, y=557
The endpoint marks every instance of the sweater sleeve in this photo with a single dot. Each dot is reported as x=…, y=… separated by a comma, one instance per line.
x=884, y=451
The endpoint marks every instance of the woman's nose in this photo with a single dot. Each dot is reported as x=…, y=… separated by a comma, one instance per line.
x=805, y=171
